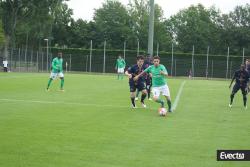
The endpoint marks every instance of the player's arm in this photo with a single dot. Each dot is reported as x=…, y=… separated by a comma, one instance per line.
x=147, y=70
x=232, y=81
x=164, y=72
x=54, y=65
x=128, y=72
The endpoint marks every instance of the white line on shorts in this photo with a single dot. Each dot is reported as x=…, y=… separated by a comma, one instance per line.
x=178, y=96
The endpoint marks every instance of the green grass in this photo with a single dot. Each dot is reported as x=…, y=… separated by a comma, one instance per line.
x=91, y=124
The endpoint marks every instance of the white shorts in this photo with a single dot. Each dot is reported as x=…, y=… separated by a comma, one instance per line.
x=54, y=75
x=120, y=70
x=162, y=89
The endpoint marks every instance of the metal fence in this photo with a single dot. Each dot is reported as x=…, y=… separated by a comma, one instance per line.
x=103, y=61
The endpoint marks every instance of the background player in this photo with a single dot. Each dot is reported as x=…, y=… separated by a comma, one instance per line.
x=159, y=83
x=120, y=66
x=57, y=70
x=139, y=83
x=241, y=76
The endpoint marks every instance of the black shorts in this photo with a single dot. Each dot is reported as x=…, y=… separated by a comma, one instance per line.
x=238, y=87
x=139, y=86
x=149, y=82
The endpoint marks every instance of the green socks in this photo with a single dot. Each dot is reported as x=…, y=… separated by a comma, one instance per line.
x=50, y=80
x=160, y=101
x=169, y=105
x=62, y=83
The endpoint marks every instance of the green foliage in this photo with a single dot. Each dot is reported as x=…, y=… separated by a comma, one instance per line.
x=1, y=33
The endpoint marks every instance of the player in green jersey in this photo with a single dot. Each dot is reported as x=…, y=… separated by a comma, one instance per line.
x=57, y=71
x=120, y=66
x=159, y=83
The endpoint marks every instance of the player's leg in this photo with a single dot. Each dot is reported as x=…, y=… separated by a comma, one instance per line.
x=141, y=87
x=62, y=80
x=234, y=91
x=244, y=94
x=51, y=78
x=165, y=92
x=118, y=73
x=132, y=94
x=156, y=96
x=143, y=96
x=137, y=94
x=148, y=86
x=122, y=73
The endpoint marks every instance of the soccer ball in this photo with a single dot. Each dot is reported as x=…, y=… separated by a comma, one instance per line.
x=162, y=112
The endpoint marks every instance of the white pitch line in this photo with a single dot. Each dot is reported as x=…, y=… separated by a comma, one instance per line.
x=178, y=96
x=68, y=103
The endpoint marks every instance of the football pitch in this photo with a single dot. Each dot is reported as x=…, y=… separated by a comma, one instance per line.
x=91, y=124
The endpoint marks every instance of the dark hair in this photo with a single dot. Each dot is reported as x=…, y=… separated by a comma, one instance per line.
x=140, y=57
x=157, y=57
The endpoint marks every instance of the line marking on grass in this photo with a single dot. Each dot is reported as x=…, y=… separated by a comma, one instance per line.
x=177, y=99
x=62, y=102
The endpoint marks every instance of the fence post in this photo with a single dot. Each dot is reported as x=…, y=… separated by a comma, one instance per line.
x=212, y=69
x=87, y=63
x=175, y=67
x=172, y=62
x=19, y=57
x=193, y=62
x=90, y=57
x=124, y=50
x=138, y=47
x=31, y=59
x=243, y=55
x=230, y=70
x=104, y=56
x=207, y=62
x=157, y=51
x=70, y=63
x=37, y=62
x=227, y=61
x=42, y=61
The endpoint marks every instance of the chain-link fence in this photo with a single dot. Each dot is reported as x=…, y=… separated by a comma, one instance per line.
x=103, y=61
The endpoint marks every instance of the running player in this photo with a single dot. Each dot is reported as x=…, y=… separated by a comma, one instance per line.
x=248, y=71
x=120, y=66
x=57, y=70
x=139, y=83
x=159, y=83
x=241, y=76
x=148, y=78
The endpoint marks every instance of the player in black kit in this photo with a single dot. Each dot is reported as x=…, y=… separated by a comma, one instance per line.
x=242, y=77
x=139, y=84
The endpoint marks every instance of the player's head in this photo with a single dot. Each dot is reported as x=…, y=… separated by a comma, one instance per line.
x=247, y=61
x=242, y=67
x=156, y=60
x=119, y=56
x=140, y=60
x=59, y=54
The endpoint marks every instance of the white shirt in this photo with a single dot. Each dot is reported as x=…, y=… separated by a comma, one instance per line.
x=5, y=63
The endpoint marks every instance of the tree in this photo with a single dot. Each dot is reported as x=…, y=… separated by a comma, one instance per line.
x=113, y=24
x=194, y=26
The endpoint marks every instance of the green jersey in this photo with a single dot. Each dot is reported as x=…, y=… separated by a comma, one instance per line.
x=120, y=63
x=60, y=65
x=157, y=78
x=55, y=65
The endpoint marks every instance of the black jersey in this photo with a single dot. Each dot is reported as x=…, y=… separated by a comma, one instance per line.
x=134, y=71
x=241, y=77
